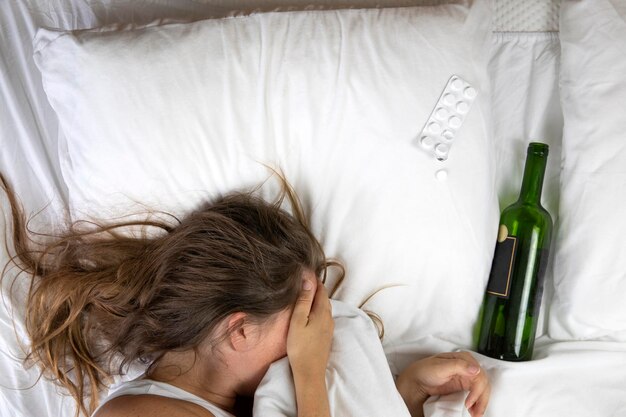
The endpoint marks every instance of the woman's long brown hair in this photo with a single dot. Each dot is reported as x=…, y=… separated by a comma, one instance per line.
x=100, y=297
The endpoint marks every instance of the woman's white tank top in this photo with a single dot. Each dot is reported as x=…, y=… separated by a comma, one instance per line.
x=163, y=389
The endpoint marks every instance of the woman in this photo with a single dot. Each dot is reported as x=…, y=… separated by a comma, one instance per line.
x=207, y=303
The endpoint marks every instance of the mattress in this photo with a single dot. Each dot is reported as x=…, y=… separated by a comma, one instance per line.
x=524, y=72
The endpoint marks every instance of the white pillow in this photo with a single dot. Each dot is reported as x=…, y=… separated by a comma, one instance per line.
x=167, y=115
x=590, y=266
x=358, y=378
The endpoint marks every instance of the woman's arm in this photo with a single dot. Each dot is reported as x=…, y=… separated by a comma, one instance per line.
x=308, y=347
x=311, y=396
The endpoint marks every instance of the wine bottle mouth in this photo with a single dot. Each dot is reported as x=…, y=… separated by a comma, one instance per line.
x=538, y=148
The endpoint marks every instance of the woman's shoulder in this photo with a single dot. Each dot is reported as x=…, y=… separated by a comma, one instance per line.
x=150, y=405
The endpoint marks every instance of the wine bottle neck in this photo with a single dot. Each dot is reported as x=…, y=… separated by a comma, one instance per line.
x=534, y=172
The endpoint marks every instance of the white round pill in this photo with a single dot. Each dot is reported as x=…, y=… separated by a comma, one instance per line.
x=454, y=122
x=434, y=128
x=441, y=175
x=441, y=150
x=470, y=92
x=456, y=84
x=448, y=99
x=441, y=113
x=447, y=134
x=427, y=142
x=462, y=107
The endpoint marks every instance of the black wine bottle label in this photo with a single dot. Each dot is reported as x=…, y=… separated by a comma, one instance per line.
x=502, y=267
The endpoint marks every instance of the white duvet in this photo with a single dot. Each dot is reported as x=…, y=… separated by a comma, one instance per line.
x=358, y=377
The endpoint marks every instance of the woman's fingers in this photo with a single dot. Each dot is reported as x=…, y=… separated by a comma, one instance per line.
x=321, y=303
x=302, y=309
x=321, y=315
x=446, y=368
x=465, y=369
x=311, y=329
x=464, y=356
x=478, y=389
x=479, y=404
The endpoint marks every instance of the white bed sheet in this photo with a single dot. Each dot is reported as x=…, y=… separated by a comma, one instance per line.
x=569, y=378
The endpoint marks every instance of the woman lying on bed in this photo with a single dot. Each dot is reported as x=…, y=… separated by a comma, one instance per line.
x=209, y=303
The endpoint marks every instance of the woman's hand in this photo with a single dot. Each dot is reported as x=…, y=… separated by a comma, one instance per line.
x=308, y=346
x=443, y=374
x=311, y=328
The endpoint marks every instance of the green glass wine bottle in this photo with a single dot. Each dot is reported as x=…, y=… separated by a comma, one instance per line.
x=510, y=309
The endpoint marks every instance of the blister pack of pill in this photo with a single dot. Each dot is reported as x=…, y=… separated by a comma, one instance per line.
x=447, y=117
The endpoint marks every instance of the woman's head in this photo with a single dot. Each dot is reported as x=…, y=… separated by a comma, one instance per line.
x=101, y=294
x=238, y=254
